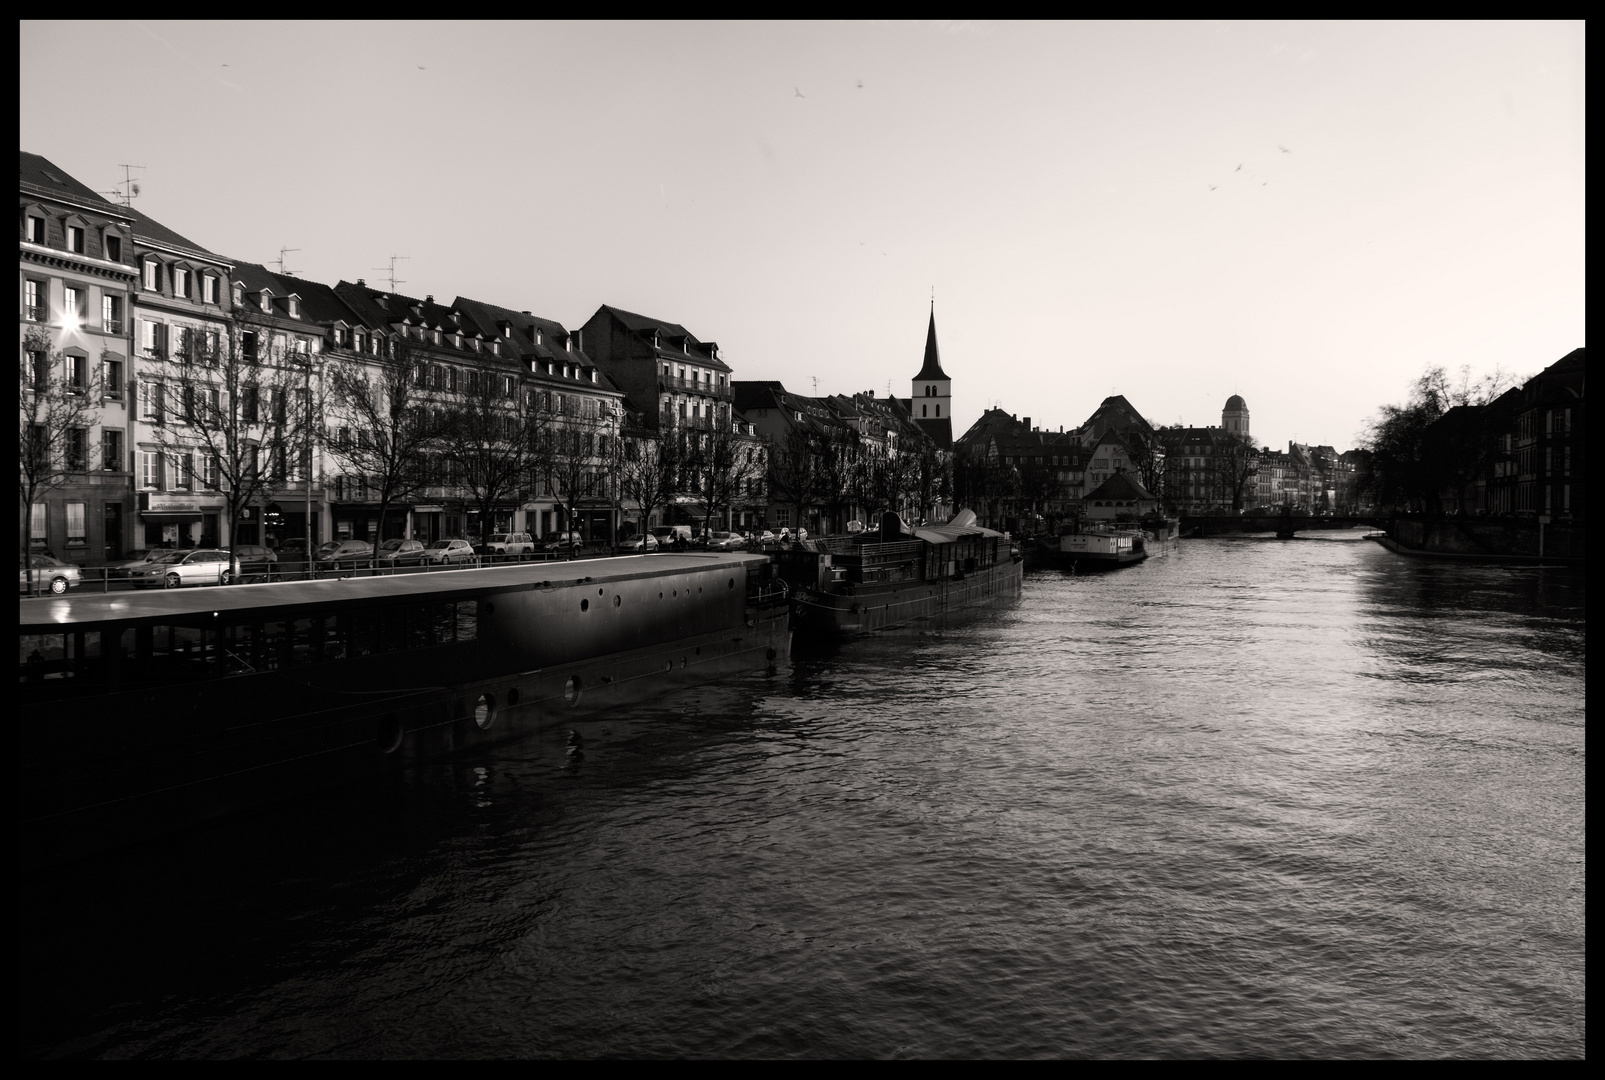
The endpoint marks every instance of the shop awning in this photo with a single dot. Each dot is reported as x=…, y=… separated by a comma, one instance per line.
x=167, y=518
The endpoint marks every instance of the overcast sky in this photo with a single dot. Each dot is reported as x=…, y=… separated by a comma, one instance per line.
x=1306, y=214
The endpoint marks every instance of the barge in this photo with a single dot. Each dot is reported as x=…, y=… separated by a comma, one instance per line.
x=1108, y=546
x=897, y=576
x=145, y=713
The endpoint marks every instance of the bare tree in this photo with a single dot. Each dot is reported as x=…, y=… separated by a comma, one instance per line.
x=718, y=468
x=571, y=448
x=933, y=477
x=1235, y=463
x=839, y=453
x=384, y=423
x=1147, y=455
x=233, y=412
x=494, y=436
x=647, y=468
x=60, y=400
x=795, y=469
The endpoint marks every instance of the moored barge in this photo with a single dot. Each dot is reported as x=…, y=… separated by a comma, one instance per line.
x=897, y=576
x=144, y=713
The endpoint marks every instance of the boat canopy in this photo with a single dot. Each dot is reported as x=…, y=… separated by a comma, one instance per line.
x=948, y=534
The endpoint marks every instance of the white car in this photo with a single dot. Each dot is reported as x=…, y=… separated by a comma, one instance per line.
x=177, y=568
x=725, y=541
x=509, y=544
x=445, y=552
x=49, y=575
x=641, y=544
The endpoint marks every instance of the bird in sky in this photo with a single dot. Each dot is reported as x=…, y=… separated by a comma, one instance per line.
x=860, y=84
x=1239, y=168
x=1212, y=187
x=422, y=68
x=799, y=92
x=1283, y=149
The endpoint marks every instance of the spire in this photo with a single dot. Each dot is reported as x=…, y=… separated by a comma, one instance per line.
x=933, y=362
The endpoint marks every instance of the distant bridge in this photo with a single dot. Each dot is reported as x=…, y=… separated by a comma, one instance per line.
x=1281, y=524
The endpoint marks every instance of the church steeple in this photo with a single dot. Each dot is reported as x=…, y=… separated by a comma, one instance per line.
x=932, y=400
x=933, y=362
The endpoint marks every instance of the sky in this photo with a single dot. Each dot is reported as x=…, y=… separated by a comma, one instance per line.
x=1307, y=214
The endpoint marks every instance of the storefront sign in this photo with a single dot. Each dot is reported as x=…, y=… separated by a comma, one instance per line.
x=168, y=504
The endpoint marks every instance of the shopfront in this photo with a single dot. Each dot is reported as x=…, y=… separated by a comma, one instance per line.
x=181, y=521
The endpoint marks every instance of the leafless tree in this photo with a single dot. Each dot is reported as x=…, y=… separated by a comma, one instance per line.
x=494, y=436
x=234, y=412
x=719, y=466
x=382, y=424
x=647, y=468
x=796, y=469
x=60, y=400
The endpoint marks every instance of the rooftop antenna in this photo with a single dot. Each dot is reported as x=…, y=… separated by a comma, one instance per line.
x=816, y=384
x=394, y=280
x=128, y=190
x=282, y=270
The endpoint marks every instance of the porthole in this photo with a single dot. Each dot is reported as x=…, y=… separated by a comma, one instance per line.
x=732, y=583
x=387, y=736
x=699, y=650
x=617, y=600
x=585, y=605
x=571, y=690
x=599, y=592
x=682, y=663
x=485, y=710
x=668, y=665
x=674, y=592
x=660, y=596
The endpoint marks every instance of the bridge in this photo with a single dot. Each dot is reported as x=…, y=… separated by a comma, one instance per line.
x=1280, y=524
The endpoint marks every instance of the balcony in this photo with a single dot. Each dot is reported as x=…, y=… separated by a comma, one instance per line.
x=688, y=386
x=34, y=312
x=111, y=326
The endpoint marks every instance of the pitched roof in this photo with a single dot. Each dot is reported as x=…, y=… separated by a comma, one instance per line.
x=639, y=323
x=149, y=229
x=1121, y=488
x=932, y=368
x=43, y=176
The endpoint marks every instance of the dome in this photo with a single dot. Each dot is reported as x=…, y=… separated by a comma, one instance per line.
x=1235, y=402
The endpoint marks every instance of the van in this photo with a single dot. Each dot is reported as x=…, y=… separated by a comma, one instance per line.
x=670, y=534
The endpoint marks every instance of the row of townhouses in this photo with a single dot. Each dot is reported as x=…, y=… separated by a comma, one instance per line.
x=175, y=396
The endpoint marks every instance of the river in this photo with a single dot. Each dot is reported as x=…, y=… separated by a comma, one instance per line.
x=1253, y=798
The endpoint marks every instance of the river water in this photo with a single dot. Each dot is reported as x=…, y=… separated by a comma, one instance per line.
x=1252, y=798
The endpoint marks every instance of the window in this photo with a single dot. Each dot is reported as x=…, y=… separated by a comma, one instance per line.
x=77, y=373
x=280, y=343
x=239, y=296
x=36, y=229
x=295, y=307
x=114, y=248
x=111, y=314
x=111, y=450
x=248, y=403
x=150, y=469
x=37, y=519
x=209, y=471
x=267, y=301
x=208, y=289
x=77, y=446
x=209, y=348
x=248, y=346
x=33, y=301
x=153, y=338
x=152, y=271
x=184, y=471
x=72, y=307
x=75, y=239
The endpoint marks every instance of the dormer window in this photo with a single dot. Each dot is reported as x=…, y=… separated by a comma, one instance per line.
x=75, y=239
x=593, y=374
x=36, y=228
x=239, y=296
x=294, y=303
x=208, y=289
x=151, y=275
x=267, y=301
x=180, y=279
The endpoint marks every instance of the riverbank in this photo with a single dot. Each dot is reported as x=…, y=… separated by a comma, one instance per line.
x=1514, y=541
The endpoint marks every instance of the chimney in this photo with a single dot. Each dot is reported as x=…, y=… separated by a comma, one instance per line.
x=1028, y=423
x=524, y=313
x=361, y=283
x=579, y=340
x=429, y=298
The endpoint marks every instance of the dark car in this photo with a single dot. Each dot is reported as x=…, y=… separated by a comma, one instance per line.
x=397, y=552
x=346, y=553
x=255, y=560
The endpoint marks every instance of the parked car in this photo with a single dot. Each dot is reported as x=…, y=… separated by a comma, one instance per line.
x=640, y=544
x=725, y=541
x=135, y=560
x=766, y=537
x=255, y=560
x=184, y=566
x=346, y=553
x=446, y=552
x=570, y=540
x=396, y=552
x=509, y=544
x=48, y=574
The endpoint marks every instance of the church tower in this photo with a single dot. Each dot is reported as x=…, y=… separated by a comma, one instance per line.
x=933, y=390
x=1234, y=417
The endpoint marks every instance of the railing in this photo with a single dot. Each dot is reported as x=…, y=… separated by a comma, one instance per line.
x=694, y=386
x=112, y=326
x=34, y=312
